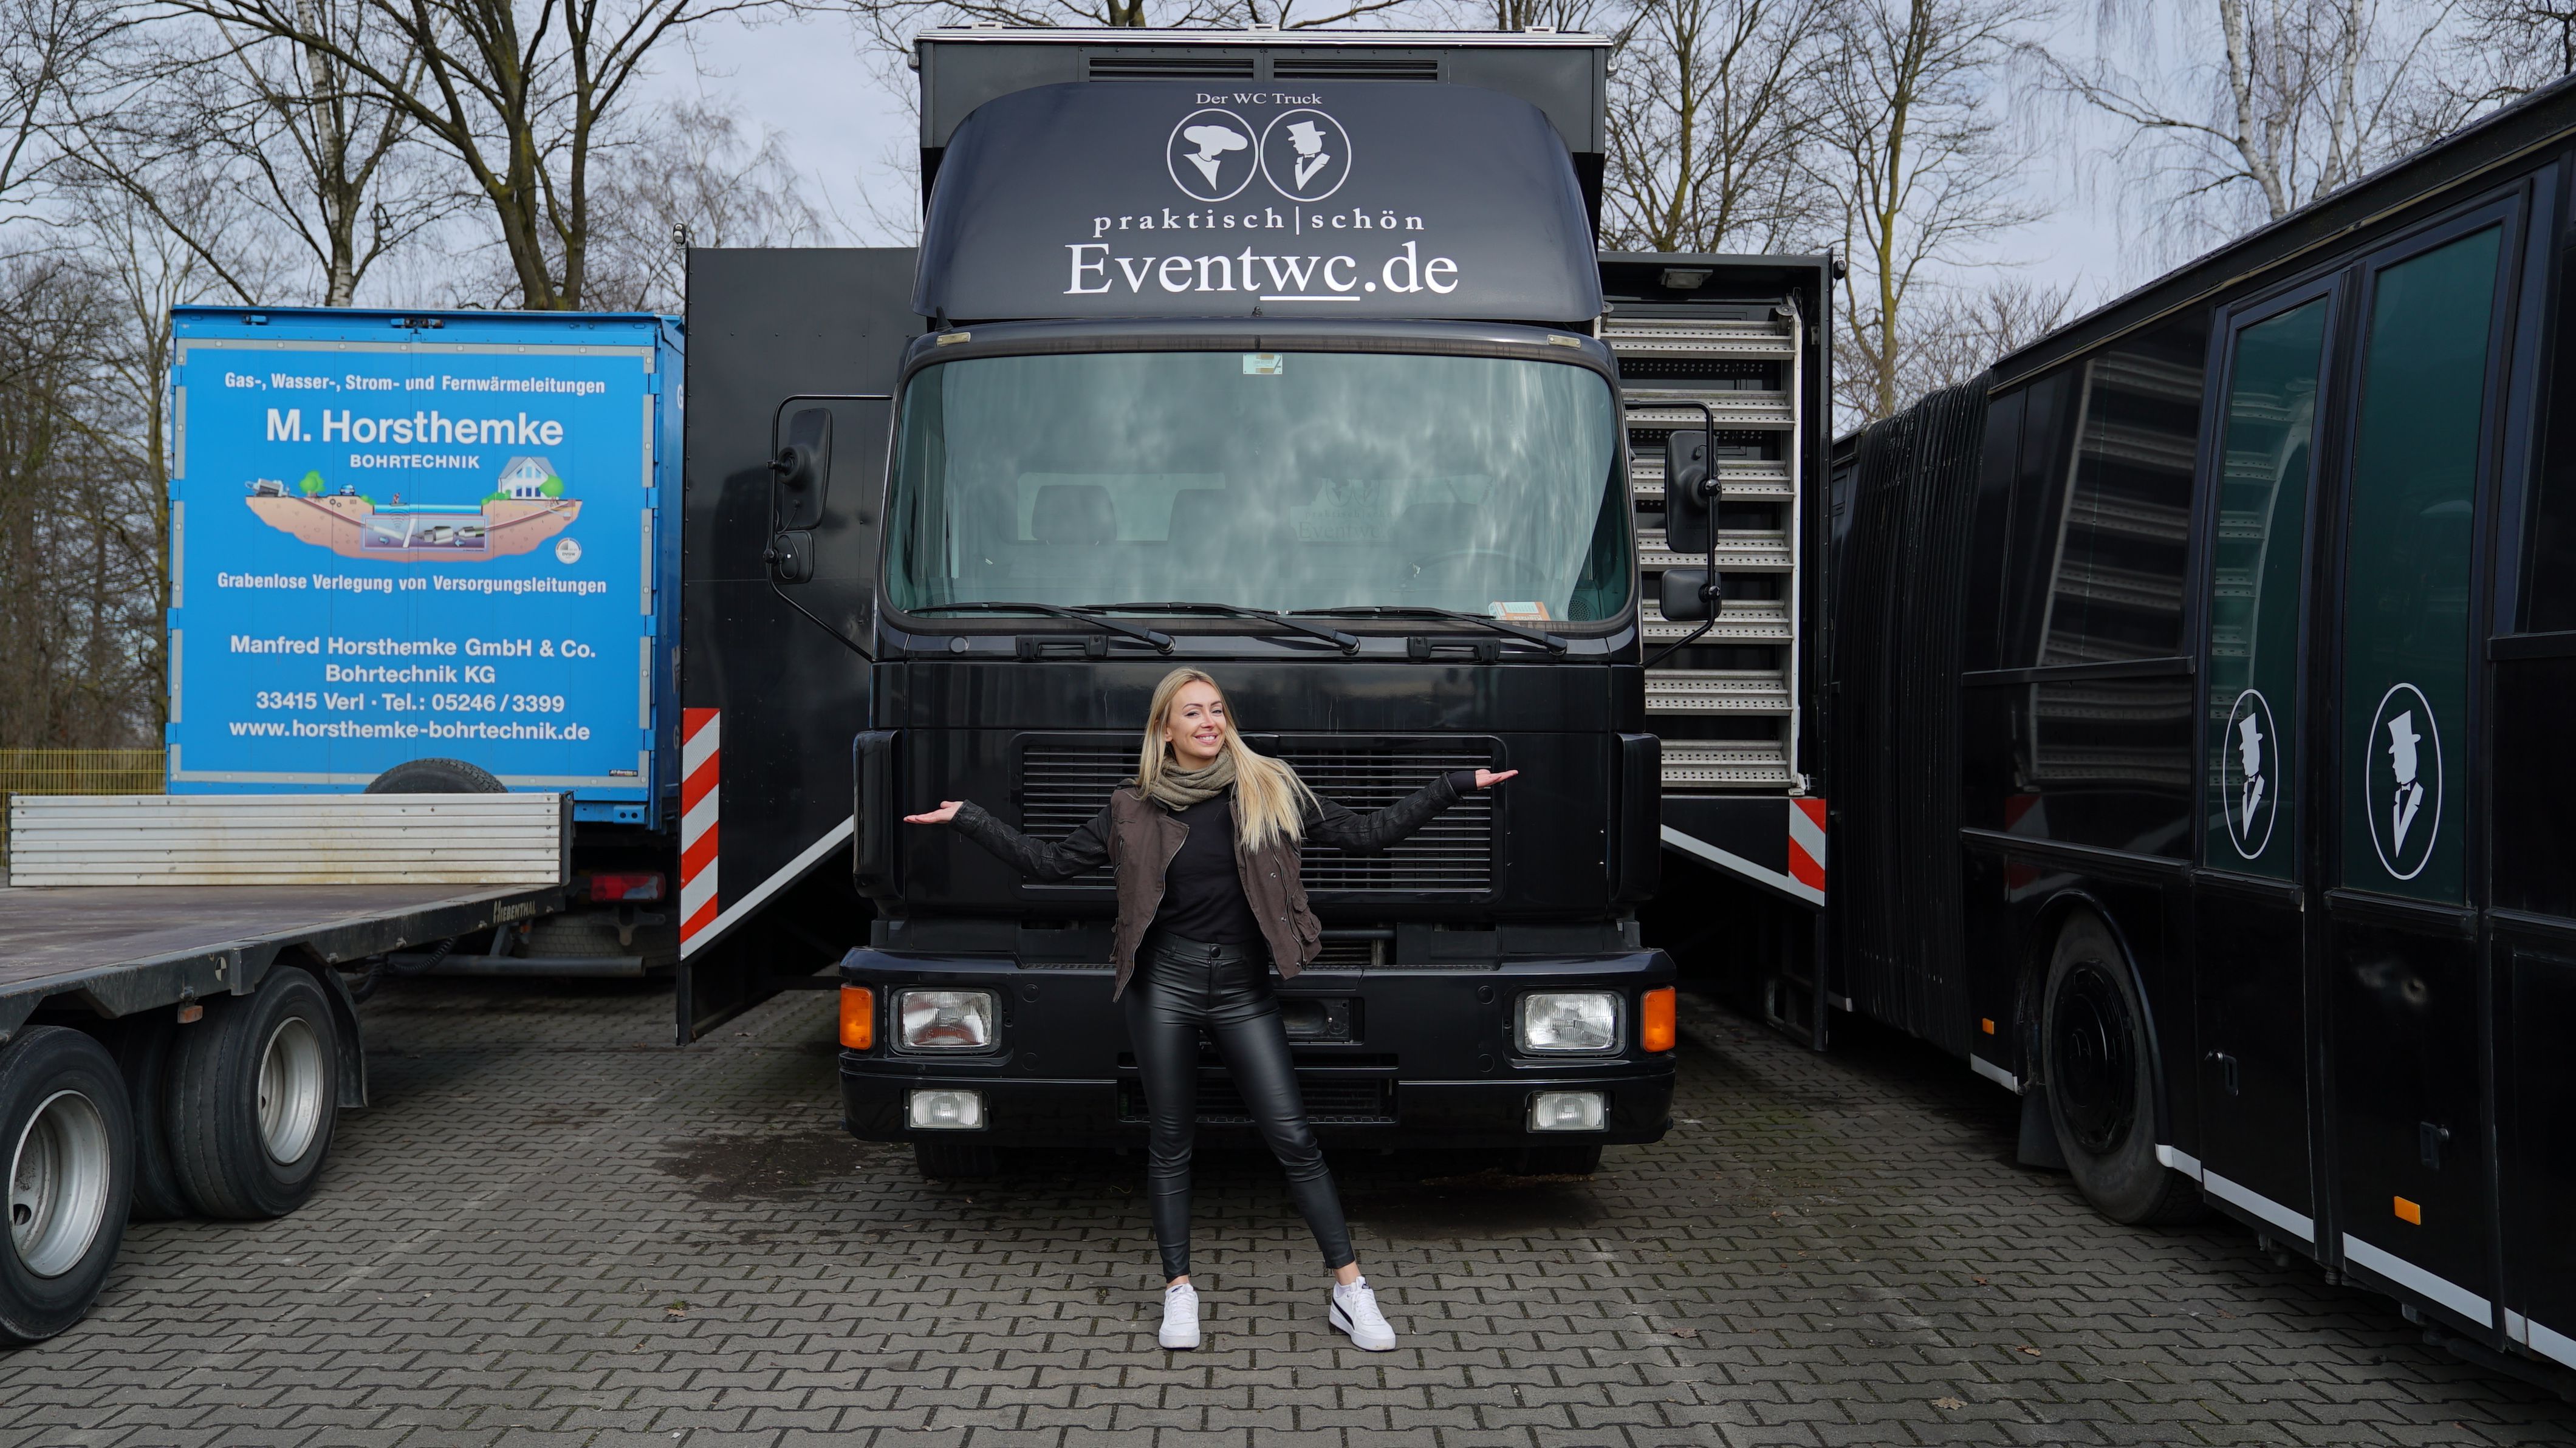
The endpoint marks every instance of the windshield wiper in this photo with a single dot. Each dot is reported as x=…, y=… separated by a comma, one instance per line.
x=1550, y=642
x=1162, y=642
x=1347, y=643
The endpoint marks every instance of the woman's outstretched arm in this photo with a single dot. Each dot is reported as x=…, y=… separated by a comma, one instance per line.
x=1079, y=853
x=1354, y=833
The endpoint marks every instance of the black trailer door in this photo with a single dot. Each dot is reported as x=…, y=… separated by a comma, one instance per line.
x=2412, y=1159
x=2251, y=896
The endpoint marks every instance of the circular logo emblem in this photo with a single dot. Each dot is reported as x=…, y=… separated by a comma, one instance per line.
x=2403, y=796
x=1305, y=155
x=2249, y=766
x=1210, y=155
x=567, y=551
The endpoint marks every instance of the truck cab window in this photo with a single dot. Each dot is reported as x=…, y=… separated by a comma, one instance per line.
x=1268, y=480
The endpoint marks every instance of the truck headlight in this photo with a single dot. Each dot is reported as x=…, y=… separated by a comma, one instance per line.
x=945, y=1110
x=944, y=1020
x=1569, y=1020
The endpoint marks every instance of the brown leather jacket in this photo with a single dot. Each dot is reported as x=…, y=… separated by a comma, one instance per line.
x=1138, y=837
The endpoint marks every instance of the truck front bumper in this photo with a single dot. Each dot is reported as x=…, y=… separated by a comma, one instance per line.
x=1426, y=1059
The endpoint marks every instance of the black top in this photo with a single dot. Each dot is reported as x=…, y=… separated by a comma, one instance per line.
x=1203, y=890
x=1203, y=896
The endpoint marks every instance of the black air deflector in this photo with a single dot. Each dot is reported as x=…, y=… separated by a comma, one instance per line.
x=1172, y=198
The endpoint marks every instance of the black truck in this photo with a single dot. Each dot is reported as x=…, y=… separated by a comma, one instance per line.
x=1281, y=355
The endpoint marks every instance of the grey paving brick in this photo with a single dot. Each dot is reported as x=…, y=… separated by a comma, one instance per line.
x=554, y=1228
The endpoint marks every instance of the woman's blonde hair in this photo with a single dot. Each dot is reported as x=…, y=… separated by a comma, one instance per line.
x=1270, y=801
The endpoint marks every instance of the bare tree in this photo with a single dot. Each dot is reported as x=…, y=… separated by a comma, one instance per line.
x=2502, y=50
x=2274, y=103
x=1967, y=328
x=1712, y=106
x=690, y=171
x=46, y=48
x=1911, y=143
x=520, y=94
x=262, y=126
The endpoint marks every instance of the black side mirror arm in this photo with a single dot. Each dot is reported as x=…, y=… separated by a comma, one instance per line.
x=800, y=475
x=1710, y=589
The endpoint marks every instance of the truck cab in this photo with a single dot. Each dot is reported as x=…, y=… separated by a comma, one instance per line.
x=1297, y=378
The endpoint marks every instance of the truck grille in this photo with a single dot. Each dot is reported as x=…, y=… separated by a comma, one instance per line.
x=1329, y=1100
x=1065, y=782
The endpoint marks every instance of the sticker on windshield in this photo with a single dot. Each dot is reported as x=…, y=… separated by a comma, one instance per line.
x=1532, y=612
x=1264, y=364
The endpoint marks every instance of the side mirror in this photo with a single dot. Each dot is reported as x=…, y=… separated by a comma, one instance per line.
x=1689, y=595
x=1690, y=493
x=802, y=469
x=790, y=556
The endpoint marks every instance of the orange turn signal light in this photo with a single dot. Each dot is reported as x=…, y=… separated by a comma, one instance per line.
x=858, y=1017
x=2409, y=1212
x=1655, y=1020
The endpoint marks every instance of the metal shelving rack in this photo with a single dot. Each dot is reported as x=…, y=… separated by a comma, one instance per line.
x=1656, y=406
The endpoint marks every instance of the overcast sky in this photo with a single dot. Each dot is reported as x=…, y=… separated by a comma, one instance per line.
x=812, y=82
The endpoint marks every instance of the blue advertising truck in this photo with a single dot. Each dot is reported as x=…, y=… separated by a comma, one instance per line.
x=425, y=553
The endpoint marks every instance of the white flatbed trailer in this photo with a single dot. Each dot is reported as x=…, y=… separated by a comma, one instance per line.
x=174, y=1048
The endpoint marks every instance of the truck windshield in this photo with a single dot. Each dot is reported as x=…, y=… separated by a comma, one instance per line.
x=1268, y=480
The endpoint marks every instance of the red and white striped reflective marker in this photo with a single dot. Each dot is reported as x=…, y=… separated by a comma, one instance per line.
x=1807, y=843
x=700, y=734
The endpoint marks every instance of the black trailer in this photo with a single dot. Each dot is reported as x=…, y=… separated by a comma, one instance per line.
x=1328, y=304
x=175, y=1049
x=2196, y=737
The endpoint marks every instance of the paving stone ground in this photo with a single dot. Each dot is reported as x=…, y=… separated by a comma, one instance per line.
x=552, y=1228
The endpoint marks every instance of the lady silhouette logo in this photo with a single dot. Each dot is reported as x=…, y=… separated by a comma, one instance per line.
x=1305, y=155
x=1210, y=155
x=2403, y=799
x=2246, y=794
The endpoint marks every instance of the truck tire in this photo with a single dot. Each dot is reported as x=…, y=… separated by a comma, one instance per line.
x=143, y=1055
x=2098, y=1061
x=954, y=1160
x=251, y=1099
x=68, y=1136
x=436, y=776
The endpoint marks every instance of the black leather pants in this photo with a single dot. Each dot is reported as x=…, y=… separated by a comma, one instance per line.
x=1184, y=987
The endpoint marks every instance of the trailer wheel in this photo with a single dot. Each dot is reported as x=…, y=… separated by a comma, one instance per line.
x=2099, y=1065
x=69, y=1139
x=954, y=1160
x=252, y=1097
x=436, y=776
x=143, y=1054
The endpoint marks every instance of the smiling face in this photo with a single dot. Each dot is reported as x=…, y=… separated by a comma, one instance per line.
x=1194, y=726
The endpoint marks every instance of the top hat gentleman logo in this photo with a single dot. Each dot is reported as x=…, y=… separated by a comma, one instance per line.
x=1305, y=155
x=2249, y=765
x=2403, y=798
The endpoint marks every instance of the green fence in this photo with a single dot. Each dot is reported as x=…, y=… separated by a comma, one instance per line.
x=74, y=771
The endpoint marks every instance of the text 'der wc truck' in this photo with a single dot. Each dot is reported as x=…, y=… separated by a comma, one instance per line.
x=424, y=553
x=1279, y=355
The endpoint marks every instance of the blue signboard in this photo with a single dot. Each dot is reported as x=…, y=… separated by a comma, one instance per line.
x=393, y=540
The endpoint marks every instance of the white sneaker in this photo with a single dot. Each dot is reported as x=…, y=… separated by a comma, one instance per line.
x=1180, y=1317
x=1355, y=1312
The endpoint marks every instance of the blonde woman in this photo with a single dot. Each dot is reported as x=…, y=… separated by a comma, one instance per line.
x=1203, y=845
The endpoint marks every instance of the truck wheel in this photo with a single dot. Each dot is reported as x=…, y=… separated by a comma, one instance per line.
x=69, y=1139
x=1561, y=1159
x=252, y=1096
x=143, y=1054
x=2099, y=1065
x=436, y=776
x=954, y=1160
